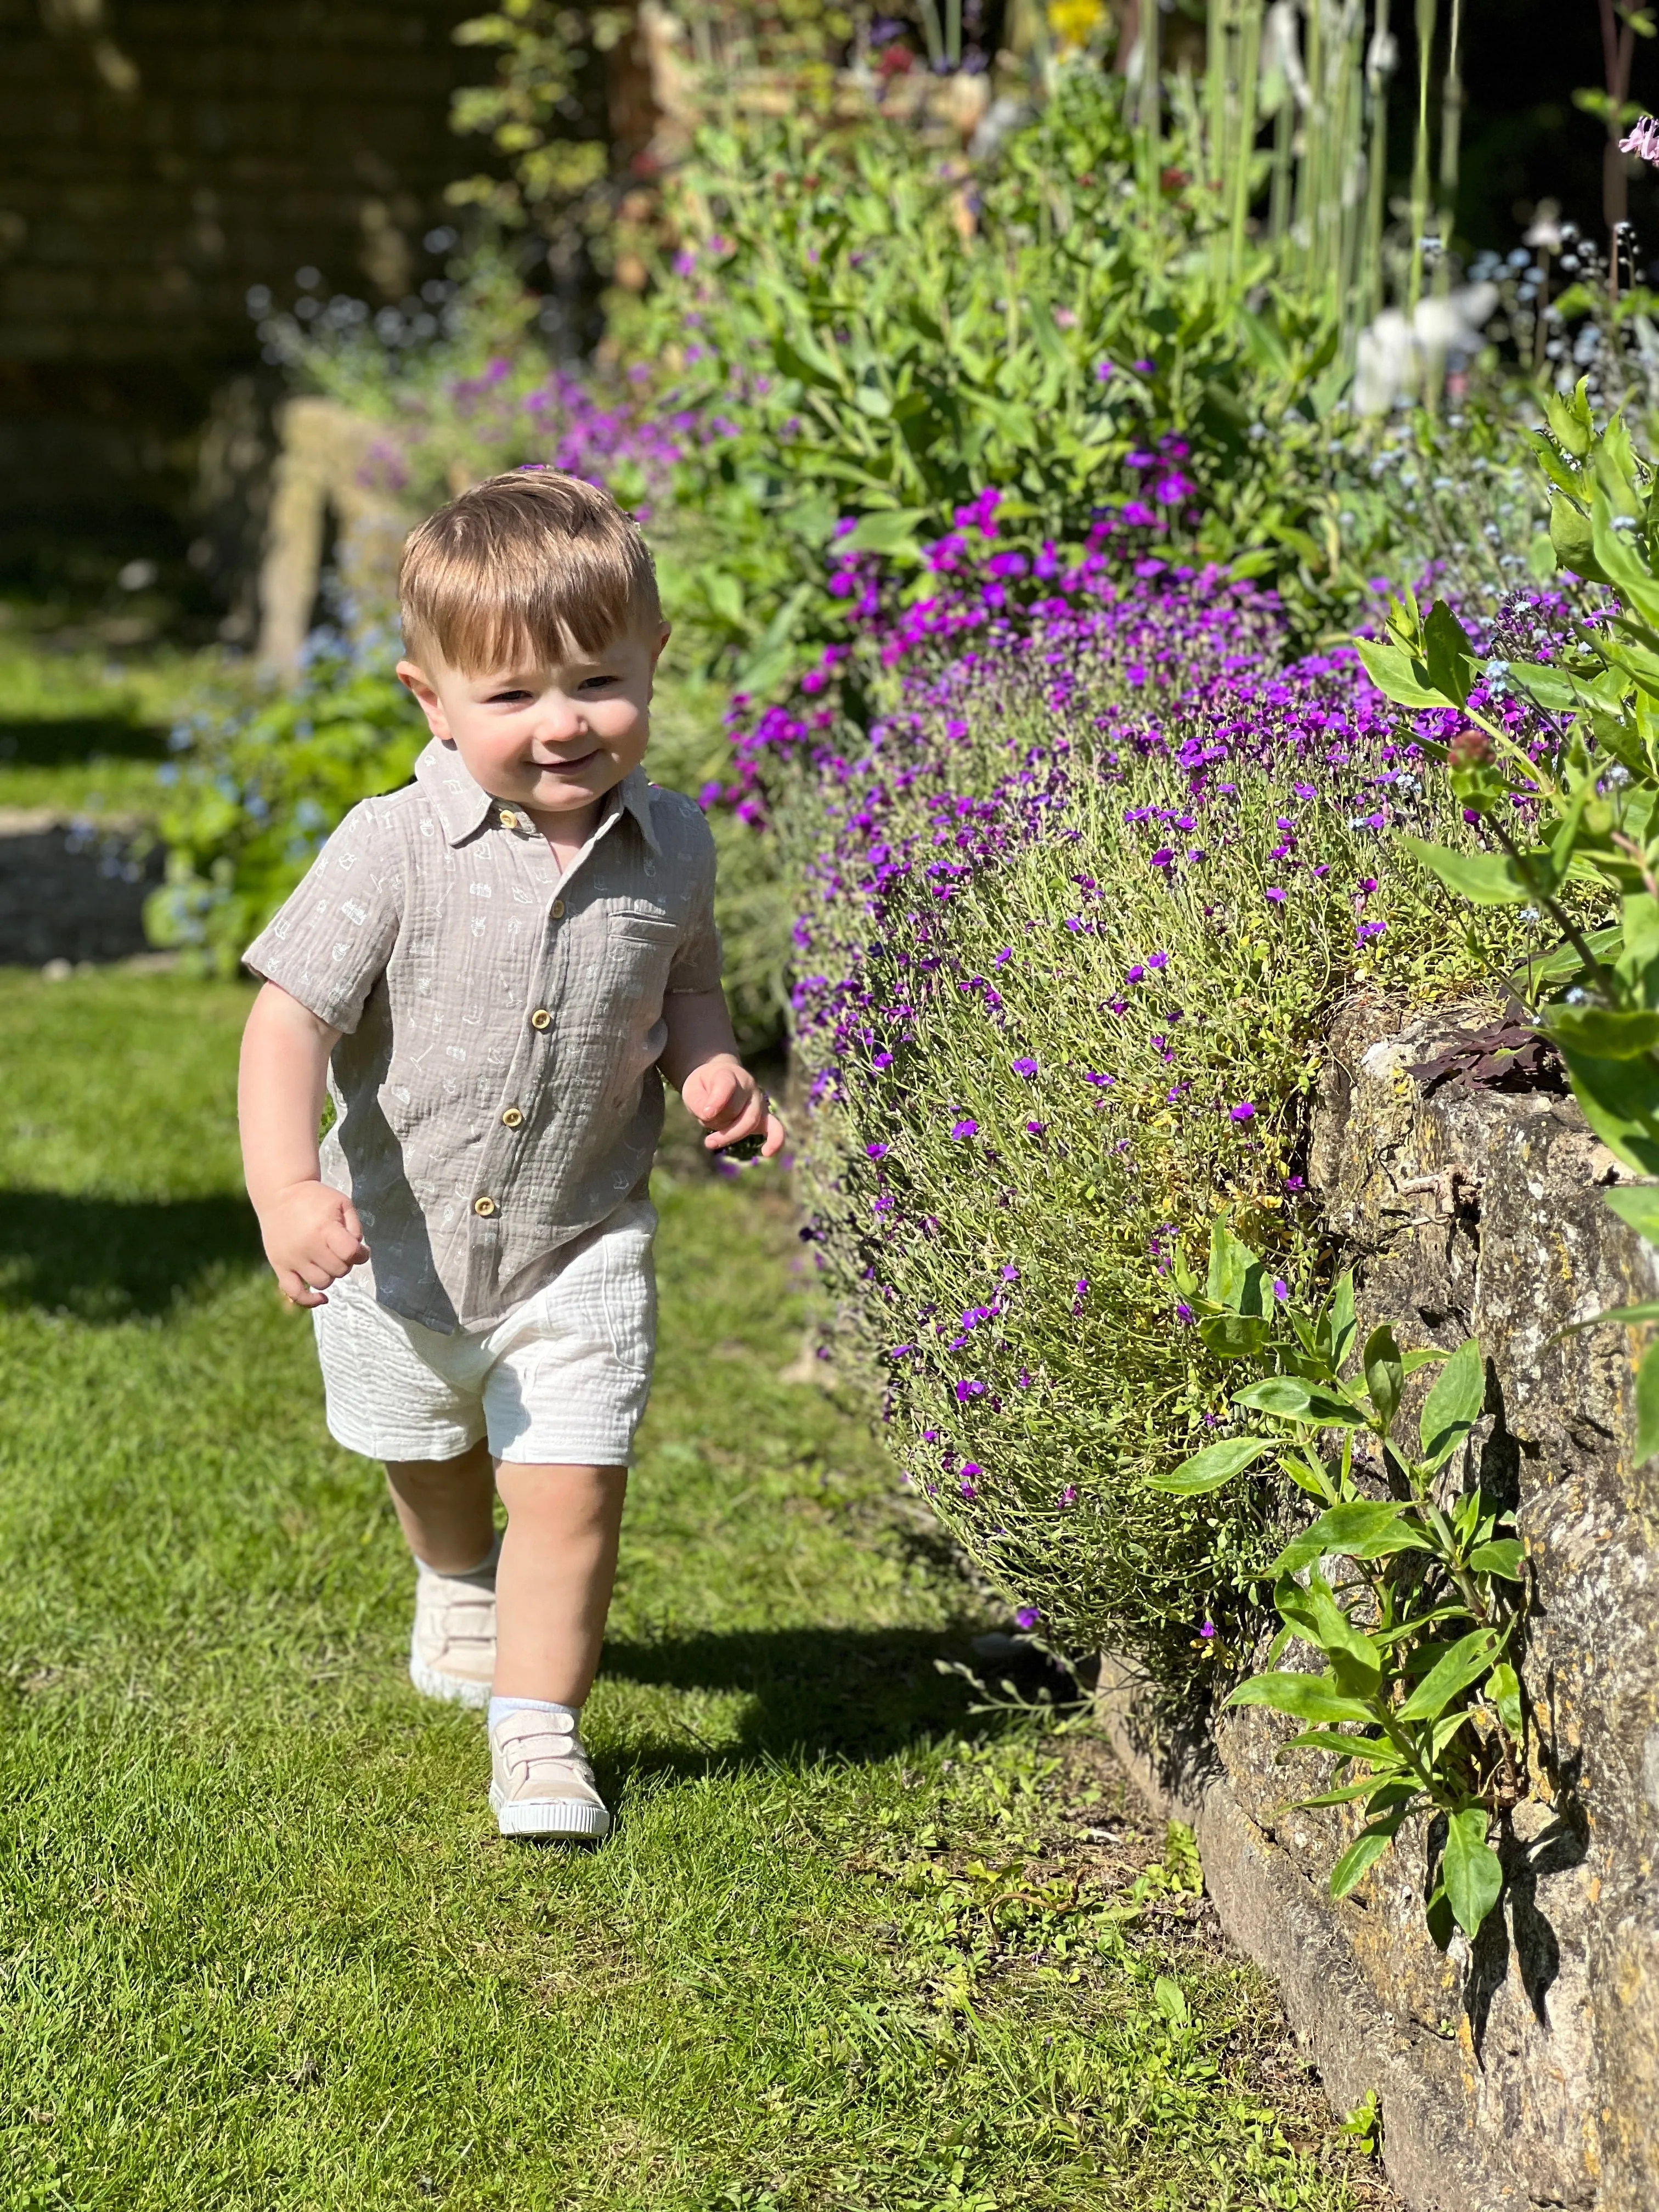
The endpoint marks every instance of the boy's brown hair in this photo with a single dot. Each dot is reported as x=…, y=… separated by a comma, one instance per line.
x=529, y=565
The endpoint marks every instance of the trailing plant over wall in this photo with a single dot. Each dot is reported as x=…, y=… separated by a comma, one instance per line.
x=1074, y=913
x=1419, y=1705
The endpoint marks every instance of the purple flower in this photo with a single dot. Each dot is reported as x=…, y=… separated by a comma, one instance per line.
x=1136, y=975
x=1035, y=1128
x=1025, y=1067
x=1027, y=1617
x=1184, y=1315
x=1207, y=1630
x=1164, y=857
x=968, y=1388
x=1276, y=895
x=1158, y=960
x=876, y=1152
x=1243, y=1111
x=1068, y=1496
x=1281, y=1288
x=965, y=1128
x=1104, y=372
x=1011, y=1274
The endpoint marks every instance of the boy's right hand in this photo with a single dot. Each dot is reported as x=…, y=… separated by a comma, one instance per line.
x=312, y=1237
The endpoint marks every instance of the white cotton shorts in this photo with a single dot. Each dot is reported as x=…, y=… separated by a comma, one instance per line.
x=560, y=1381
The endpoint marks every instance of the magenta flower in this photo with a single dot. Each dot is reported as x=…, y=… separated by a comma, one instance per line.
x=1207, y=1630
x=1276, y=895
x=1068, y=1496
x=1281, y=1288
x=965, y=1128
x=1025, y=1067
x=1027, y=1617
x=876, y=1152
x=1243, y=1111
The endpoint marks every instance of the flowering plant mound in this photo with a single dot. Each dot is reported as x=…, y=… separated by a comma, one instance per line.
x=1075, y=914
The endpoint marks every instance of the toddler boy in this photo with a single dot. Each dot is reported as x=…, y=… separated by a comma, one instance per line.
x=486, y=970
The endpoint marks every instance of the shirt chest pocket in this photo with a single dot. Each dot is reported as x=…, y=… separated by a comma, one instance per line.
x=639, y=951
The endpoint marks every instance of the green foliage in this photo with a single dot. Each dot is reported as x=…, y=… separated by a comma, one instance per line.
x=1586, y=773
x=873, y=345
x=1418, y=1703
x=258, y=787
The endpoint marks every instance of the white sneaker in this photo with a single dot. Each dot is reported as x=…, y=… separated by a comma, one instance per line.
x=540, y=1783
x=452, y=1651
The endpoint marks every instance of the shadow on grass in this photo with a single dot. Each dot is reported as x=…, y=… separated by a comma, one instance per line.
x=107, y=1259
x=858, y=1694
x=62, y=741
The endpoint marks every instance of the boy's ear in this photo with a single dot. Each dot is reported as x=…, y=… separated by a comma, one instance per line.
x=663, y=636
x=414, y=678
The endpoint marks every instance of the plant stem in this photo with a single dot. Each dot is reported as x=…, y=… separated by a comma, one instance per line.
x=1426, y=12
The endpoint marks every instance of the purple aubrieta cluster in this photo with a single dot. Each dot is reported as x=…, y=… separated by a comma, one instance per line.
x=1128, y=663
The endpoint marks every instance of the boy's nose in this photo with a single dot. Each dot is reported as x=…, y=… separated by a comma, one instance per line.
x=559, y=720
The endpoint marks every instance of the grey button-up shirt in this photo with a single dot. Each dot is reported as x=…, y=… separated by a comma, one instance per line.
x=496, y=1090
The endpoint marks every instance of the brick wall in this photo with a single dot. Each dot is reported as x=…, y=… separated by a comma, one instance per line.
x=157, y=157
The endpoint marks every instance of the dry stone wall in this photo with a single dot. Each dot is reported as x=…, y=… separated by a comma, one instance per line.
x=1524, y=2071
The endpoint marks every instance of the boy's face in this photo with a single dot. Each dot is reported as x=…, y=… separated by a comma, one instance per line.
x=554, y=738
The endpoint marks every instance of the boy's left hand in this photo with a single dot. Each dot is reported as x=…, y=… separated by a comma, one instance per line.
x=730, y=1105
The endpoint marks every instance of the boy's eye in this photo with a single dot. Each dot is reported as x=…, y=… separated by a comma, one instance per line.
x=508, y=698
x=596, y=683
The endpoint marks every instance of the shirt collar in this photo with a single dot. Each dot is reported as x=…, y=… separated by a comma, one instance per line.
x=464, y=805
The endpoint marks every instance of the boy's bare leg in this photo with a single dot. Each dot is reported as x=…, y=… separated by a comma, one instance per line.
x=446, y=1507
x=553, y=1585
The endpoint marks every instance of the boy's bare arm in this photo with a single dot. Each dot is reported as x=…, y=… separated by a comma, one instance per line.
x=312, y=1234
x=701, y=1060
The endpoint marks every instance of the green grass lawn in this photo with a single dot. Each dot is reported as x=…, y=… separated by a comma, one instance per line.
x=260, y=1946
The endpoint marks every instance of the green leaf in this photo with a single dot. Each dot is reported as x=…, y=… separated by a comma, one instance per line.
x=1502, y=1558
x=1453, y=1406
x=1471, y=1654
x=1343, y=1326
x=1469, y=1870
x=1637, y=1205
x=1647, y=1405
x=1483, y=878
x=1210, y=1468
x=1619, y=1099
x=1603, y=1031
x=1502, y=1687
x=1450, y=653
x=1293, y=1399
x=1385, y=1374
x=1398, y=676
x=1367, y=1847
x=1317, y=1617
x=1231, y=1267
x=1358, y=1529
x=1303, y=1697
x=891, y=529
x=1237, y=1336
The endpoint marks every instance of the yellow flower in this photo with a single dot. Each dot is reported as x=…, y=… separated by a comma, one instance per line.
x=1074, y=22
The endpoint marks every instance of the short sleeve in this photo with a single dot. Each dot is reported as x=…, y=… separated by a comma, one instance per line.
x=696, y=962
x=329, y=944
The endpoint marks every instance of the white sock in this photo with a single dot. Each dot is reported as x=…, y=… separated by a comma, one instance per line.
x=483, y=1575
x=568, y=1717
